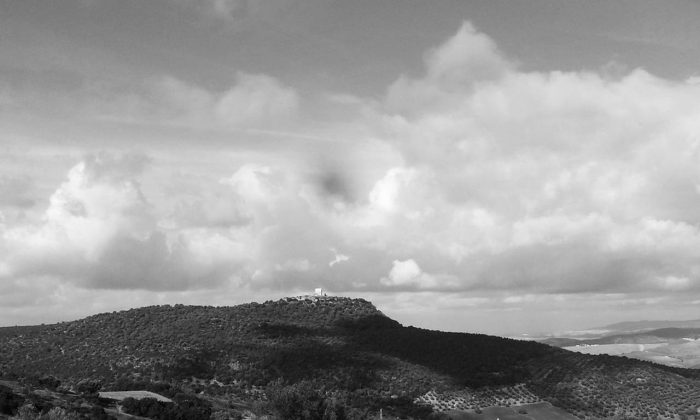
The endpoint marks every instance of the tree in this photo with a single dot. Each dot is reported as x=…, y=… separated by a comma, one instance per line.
x=9, y=401
x=58, y=413
x=305, y=400
x=89, y=386
x=26, y=412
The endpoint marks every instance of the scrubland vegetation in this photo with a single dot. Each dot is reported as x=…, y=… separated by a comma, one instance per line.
x=313, y=358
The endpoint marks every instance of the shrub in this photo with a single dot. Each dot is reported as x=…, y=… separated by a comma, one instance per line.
x=89, y=386
x=58, y=413
x=9, y=401
x=304, y=401
x=26, y=412
x=49, y=382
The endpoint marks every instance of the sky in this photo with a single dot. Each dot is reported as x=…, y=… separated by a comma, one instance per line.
x=485, y=166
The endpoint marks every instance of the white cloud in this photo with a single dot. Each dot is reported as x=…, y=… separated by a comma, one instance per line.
x=674, y=283
x=408, y=273
x=180, y=98
x=251, y=102
x=385, y=194
x=403, y=272
x=536, y=181
x=488, y=178
x=254, y=99
x=337, y=258
x=452, y=70
x=548, y=181
x=254, y=183
x=99, y=231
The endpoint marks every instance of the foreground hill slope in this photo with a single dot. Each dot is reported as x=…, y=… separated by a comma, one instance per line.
x=345, y=348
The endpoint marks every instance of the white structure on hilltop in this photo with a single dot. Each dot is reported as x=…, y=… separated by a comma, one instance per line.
x=319, y=292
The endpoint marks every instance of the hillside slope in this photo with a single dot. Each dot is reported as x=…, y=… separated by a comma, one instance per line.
x=344, y=347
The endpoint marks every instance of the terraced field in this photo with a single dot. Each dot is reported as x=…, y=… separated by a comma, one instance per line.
x=613, y=349
x=622, y=389
x=468, y=399
x=538, y=411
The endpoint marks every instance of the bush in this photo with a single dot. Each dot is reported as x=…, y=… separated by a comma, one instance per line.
x=49, y=382
x=189, y=408
x=26, y=412
x=58, y=413
x=9, y=401
x=98, y=413
x=304, y=401
x=89, y=386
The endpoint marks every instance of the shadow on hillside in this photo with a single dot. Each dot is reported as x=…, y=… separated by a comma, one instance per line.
x=292, y=353
x=348, y=368
x=474, y=360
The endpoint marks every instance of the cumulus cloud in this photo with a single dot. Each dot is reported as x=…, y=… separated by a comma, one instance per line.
x=251, y=102
x=408, y=273
x=253, y=99
x=452, y=70
x=99, y=230
x=499, y=183
x=545, y=181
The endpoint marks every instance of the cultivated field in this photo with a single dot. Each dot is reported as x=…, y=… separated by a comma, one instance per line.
x=678, y=353
x=468, y=399
x=613, y=349
x=137, y=395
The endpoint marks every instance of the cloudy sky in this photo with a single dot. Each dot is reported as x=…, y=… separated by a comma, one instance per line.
x=490, y=166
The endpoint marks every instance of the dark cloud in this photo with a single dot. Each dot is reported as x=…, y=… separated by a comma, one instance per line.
x=334, y=184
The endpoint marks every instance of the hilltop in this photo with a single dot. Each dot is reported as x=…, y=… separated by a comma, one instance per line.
x=320, y=354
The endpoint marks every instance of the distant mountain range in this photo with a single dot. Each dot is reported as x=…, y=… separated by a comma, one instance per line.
x=635, y=326
x=308, y=357
x=671, y=343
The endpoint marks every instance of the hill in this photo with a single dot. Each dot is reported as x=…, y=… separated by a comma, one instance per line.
x=321, y=355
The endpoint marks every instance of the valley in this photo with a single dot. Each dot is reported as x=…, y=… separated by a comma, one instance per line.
x=668, y=343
